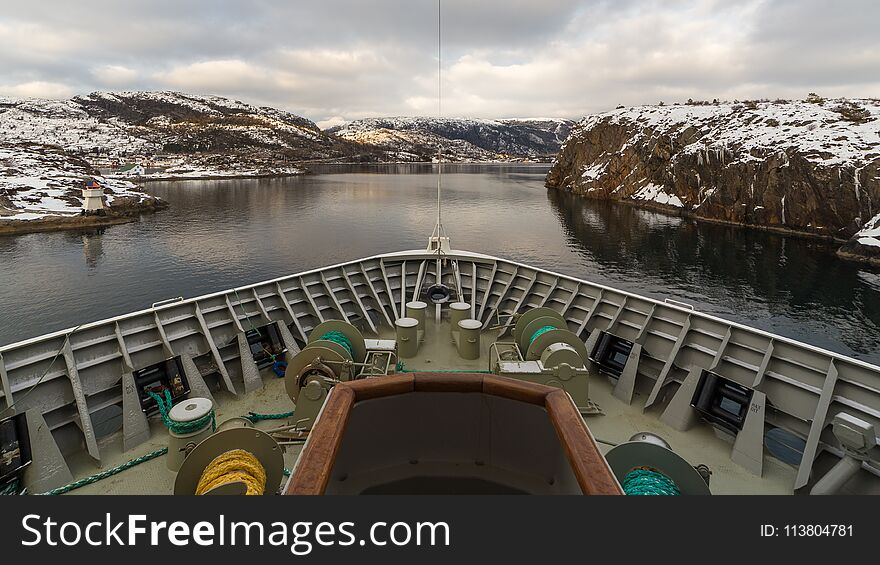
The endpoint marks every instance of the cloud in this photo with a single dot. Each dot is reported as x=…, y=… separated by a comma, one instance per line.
x=115, y=75
x=37, y=89
x=211, y=76
x=344, y=59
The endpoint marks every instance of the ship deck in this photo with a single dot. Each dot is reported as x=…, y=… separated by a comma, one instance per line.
x=77, y=375
x=617, y=423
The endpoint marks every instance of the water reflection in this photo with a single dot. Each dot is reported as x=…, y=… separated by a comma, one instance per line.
x=793, y=286
x=93, y=248
x=220, y=234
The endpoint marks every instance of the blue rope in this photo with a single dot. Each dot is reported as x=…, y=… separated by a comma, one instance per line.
x=279, y=368
x=644, y=481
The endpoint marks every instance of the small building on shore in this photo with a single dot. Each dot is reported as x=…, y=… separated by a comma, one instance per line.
x=136, y=170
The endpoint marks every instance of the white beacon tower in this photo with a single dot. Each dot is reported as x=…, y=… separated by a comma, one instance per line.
x=93, y=196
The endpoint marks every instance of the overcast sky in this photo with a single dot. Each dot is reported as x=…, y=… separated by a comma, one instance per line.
x=335, y=60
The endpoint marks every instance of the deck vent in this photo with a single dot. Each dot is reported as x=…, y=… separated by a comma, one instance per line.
x=722, y=401
x=264, y=342
x=611, y=353
x=438, y=294
x=157, y=378
x=15, y=447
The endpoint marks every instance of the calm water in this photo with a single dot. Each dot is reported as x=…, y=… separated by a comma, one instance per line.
x=220, y=234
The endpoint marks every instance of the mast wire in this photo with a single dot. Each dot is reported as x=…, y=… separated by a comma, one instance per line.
x=438, y=229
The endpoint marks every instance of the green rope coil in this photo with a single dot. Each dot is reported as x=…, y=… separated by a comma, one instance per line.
x=108, y=473
x=255, y=417
x=541, y=330
x=181, y=427
x=641, y=481
x=341, y=339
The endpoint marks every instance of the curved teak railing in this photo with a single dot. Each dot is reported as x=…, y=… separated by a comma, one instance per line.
x=334, y=451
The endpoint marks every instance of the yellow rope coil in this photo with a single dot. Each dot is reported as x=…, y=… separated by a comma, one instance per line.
x=233, y=466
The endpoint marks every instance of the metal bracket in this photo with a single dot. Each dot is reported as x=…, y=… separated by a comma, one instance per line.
x=626, y=383
x=249, y=370
x=82, y=406
x=48, y=469
x=135, y=427
x=679, y=413
x=748, y=449
x=287, y=338
x=197, y=386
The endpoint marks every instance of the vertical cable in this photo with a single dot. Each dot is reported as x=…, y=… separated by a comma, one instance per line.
x=439, y=115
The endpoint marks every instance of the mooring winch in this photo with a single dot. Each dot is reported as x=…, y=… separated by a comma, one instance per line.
x=545, y=351
x=336, y=352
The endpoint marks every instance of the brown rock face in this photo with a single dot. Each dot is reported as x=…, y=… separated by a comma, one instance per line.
x=801, y=166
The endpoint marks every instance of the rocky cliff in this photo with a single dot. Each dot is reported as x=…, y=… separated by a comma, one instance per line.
x=809, y=166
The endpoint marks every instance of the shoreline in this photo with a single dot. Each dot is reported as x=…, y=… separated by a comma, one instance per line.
x=847, y=254
x=307, y=171
x=681, y=213
x=842, y=251
x=73, y=223
x=379, y=163
x=213, y=177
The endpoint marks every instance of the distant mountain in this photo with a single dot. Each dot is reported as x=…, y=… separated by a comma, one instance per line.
x=810, y=166
x=193, y=135
x=417, y=139
x=141, y=125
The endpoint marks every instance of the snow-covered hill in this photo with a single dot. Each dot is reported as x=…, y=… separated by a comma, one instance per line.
x=417, y=139
x=810, y=166
x=186, y=123
x=69, y=125
x=188, y=130
x=48, y=147
x=44, y=182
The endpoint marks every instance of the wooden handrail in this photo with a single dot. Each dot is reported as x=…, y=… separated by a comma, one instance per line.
x=312, y=473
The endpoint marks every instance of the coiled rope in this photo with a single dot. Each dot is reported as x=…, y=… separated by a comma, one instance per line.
x=233, y=466
x=648, y=481
x=13, y=487
x=164, y=405
x=341, y=339
x=540, y=331
x=181, y=427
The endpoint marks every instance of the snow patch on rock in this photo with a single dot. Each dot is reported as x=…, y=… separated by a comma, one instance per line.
x=657, y=194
